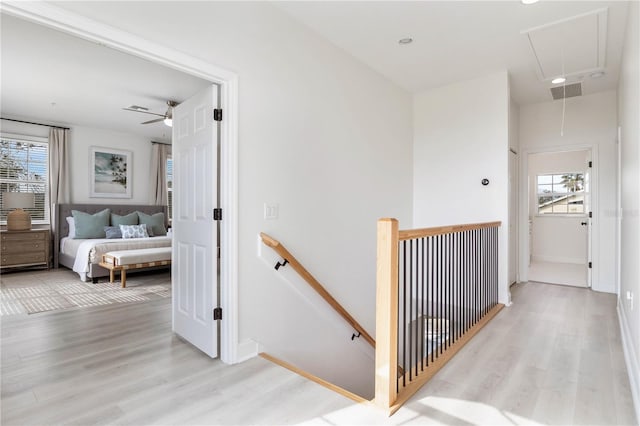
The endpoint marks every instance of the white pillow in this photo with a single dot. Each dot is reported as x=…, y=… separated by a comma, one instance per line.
x=72, y=226
x=134, y=231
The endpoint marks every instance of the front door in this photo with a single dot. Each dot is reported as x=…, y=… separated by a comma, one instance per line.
x=194, y=272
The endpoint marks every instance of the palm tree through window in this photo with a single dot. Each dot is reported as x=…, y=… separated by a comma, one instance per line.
x=561, y=193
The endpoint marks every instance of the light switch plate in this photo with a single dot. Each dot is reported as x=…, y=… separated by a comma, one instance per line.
x=270, y=211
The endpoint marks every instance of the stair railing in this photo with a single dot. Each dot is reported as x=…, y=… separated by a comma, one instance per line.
x=436, y=288
x=306, y=275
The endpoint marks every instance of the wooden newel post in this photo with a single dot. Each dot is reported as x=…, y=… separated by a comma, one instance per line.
x=387, y=313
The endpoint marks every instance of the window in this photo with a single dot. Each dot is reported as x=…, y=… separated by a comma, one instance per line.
x=561, y=193
x=170, y=186
x=24, y=168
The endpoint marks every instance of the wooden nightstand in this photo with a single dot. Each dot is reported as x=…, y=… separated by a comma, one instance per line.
x=24, y=248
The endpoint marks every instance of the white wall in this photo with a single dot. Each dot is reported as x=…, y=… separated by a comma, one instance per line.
x=320, y=134
x=590, y=122
x=556, y=238
x=461, y=135
x=81, y=141
x=629, y=121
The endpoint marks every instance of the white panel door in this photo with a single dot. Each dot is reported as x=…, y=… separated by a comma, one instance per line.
x=194, y=271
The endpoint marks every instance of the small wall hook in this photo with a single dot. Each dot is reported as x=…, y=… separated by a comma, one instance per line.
x=485, y=181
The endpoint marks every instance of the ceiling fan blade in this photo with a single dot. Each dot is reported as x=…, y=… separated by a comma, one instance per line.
x=144, y=112
x=154, y=121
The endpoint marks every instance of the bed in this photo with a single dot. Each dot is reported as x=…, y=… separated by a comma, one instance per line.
x=83, y=255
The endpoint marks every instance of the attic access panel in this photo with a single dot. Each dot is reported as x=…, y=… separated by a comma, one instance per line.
x=569, y=47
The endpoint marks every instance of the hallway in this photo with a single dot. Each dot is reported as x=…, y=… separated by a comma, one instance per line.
x=553, y=357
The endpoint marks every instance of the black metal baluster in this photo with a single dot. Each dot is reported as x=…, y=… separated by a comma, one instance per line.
x=422, y=276
x=449, y=287
x=458, y=282
x=440, y=289
x=404, y=312
x=476, y=275
x=473, y=278
x=433, y=290
x=410, y=307
x=481, y=305
x=495, y=260
x=417, y=316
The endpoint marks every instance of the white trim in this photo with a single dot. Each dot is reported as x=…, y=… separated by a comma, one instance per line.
x=619, y=212
x=88, y=29
x=247, y=350
x=557, y=259
x=524, y=194
x=631, y=359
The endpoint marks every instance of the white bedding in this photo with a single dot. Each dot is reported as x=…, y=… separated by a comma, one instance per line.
x=91, y=251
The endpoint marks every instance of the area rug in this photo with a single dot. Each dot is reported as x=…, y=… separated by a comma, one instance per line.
x=34, y=292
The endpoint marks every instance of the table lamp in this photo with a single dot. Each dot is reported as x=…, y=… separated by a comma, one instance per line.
x=18, y=220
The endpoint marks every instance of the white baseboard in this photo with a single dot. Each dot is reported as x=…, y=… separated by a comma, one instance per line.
x=556, y=259
x=631, y=359
x=246, y=350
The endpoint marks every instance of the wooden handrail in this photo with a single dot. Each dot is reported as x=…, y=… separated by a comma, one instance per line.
x=282, y=251
x=410, y=234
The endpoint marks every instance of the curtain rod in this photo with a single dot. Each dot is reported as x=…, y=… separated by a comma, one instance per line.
x=37, y=124
x=161, y=143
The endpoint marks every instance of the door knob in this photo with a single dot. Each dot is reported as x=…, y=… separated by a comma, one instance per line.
x=583, y=223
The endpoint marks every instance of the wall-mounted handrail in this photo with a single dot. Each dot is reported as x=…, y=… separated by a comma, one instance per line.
x=282, y=251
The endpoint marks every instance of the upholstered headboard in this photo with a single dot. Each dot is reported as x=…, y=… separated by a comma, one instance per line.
x=64, y=210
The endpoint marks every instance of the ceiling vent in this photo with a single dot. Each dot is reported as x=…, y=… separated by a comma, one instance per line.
x=567, y=91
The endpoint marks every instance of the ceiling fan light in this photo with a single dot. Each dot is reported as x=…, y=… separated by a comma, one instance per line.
x=168, y=122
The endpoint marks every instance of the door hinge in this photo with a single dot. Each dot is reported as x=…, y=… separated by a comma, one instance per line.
x=590, y=163
x=217, y=114
x=217, y=214
x=590, y=265
x=217, y=314
x=590, y=214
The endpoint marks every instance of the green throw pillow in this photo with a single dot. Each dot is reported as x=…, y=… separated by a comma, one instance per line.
x=90, y=225
x=155, y=223
x=130, y=219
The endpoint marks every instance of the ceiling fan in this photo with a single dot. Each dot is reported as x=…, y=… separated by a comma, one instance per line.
x=167, y=117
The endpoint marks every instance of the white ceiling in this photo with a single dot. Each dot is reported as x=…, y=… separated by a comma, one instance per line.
x=458, y=40
x=453, y=41
x=51, y=77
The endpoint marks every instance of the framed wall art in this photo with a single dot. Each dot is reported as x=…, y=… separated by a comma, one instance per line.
x=110, y=171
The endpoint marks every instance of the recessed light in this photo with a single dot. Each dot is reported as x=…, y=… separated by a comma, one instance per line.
x=558, y=80
x=529, y=1
x=597, y=74
x=407, y=40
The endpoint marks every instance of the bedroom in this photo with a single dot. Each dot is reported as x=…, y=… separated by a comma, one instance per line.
x=84, y=87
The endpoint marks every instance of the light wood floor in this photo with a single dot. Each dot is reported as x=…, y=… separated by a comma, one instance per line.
x=554, y=357
x=558, y=273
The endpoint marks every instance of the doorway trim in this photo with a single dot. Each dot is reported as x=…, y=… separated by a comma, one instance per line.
x=525, y=238
x=80, y=26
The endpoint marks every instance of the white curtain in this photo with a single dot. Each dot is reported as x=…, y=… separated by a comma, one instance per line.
x=58, y=171
x=158, y=188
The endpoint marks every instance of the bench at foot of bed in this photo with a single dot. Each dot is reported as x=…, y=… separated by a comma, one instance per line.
x=134, y=259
